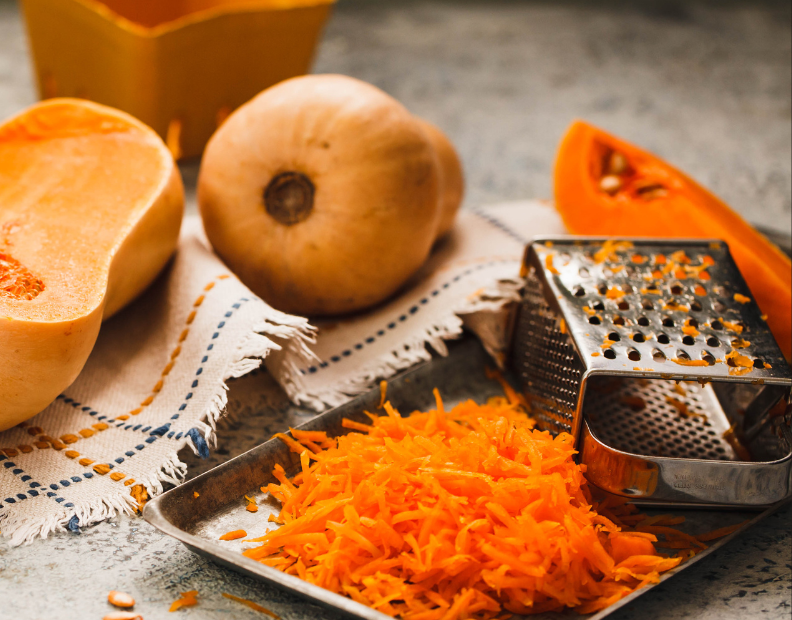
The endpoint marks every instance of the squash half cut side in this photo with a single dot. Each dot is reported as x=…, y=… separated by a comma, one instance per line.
x=91, y=204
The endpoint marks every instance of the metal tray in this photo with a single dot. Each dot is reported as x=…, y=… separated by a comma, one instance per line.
x=220, y=506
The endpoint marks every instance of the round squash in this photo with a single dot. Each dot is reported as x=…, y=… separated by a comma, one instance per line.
x=90, y=208
x=321, y=194
x=452, y=178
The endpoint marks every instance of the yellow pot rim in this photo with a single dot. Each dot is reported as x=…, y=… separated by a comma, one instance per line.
x=252, y=6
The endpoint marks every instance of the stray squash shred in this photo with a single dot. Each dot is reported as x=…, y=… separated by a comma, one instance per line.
x=186, y=599
x=467, y=513
x=253, y=605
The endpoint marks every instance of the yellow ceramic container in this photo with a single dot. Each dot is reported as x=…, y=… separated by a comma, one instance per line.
x=180, y=66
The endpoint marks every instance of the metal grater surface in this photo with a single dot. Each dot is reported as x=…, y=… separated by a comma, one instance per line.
x=659, y=309
x=659, y=418
x=628, y=345
x=549, y=362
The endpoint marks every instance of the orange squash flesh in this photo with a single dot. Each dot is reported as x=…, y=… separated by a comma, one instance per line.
x=606, y=186
x=90, y=209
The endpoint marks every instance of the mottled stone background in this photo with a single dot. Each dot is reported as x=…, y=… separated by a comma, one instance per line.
x=706, y=85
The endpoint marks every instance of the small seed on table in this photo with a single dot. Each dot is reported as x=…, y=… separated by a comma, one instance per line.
x=120, y=599
x=123, y=615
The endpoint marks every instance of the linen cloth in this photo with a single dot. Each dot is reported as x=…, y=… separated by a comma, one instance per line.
x=155, y=381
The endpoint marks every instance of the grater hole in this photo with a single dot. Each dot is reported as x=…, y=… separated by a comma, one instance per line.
x=618, y=320
x=658, y=355
x=719, y=291
x=584, y=273
x=688, y=340
x=647, y=305
x=668, y=321
x=633, y=355
x=602, y=289
x=663, y=339
x=716, y=324
x=610, y=354
x=682, y=354
x=691, y=322
x=643, y=321
x=614, y=336
x=623, y=305
x=718, y=306
x=594, y=320
x=695, y=306
x=638, y=337
x=579, y=291
x=677, y=288
x=758, y=363
x=708, y=357
x=598, y=305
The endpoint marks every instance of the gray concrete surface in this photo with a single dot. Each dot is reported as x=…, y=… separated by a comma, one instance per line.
x=705, y=85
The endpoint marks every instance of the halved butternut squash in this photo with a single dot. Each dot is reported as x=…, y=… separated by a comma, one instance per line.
x=606, y=186
x=90, y=209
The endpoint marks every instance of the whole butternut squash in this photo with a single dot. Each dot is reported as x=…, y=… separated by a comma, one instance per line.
x=452, y=178
x=90, y=208
x=321, y=194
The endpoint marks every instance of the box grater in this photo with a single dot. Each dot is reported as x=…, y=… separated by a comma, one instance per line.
x=654, y=356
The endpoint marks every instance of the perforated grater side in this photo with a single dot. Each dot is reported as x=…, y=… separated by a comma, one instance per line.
x=654, y=356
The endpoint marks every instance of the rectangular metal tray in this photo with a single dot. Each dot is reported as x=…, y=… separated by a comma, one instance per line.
x=220, y=506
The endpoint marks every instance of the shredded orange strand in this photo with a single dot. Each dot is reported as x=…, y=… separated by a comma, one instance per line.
x=467, y=513
x=735, y=327
x=251, y=604
x=735, y=360
x=610, y=249
x=187, y=599
x=683, y=362
x=383, y=393
x=721, y=532
x=549, y=265
x=234, y=535
x=741, y=298
x=636, y=403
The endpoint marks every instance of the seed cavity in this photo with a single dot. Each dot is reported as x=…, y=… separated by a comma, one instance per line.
x=17, y=281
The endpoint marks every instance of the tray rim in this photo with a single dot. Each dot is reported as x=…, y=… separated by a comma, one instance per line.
x=231, y=558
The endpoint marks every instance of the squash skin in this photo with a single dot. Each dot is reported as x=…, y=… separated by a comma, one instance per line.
x=689, y=211
x=452, y=177
x=40, y=358
x=375, y=209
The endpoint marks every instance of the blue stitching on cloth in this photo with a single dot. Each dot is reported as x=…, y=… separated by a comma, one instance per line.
x=74, y=525
x=182, y=407
x=194, y=434
x=500, y=226
x=393, y=324
x=33, y=485
x=199, y=442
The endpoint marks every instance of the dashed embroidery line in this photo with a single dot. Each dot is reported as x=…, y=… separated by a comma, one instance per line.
x=500, y=226
x=401, y=319
x=175, y=353
x=45, y=441
x=198, y=440
x=34, y=486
